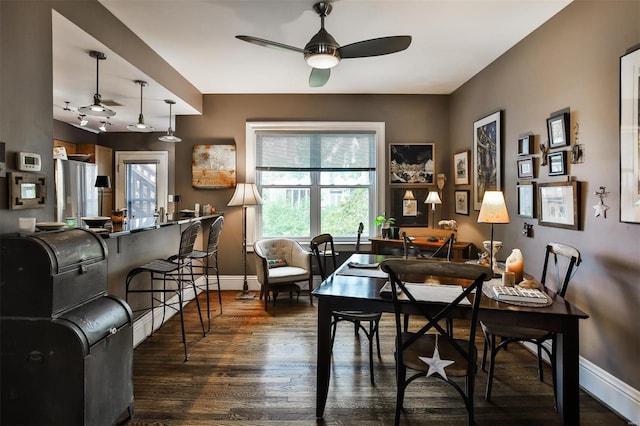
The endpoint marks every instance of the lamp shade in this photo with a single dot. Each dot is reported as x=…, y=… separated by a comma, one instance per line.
x=493, y=208
x=246, y=195
x=433, y=198
x=408, y=195
x=103, y=181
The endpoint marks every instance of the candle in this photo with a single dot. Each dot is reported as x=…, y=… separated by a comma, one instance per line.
x=515, y=264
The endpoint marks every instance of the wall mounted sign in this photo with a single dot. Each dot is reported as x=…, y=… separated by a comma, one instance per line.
x=213, y=166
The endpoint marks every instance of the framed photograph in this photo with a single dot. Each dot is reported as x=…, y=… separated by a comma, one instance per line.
x=213, y=166
x=525, y=168
x=526, y=199
x=412, y=164
x=558, y=130
x=409, y=207
x=559, y=204
x=525, y=145
x=462, y=202
x=487, y=143
x=630, y=137
x=557, y=163
x=461, y=168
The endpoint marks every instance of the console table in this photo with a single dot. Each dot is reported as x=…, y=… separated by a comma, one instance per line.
x=460, y=251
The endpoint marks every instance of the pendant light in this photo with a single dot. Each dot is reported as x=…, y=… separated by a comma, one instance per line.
x=169, y=137
x=140, y=126
x=97, y=108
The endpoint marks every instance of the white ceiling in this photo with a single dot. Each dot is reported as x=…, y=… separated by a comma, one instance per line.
x=452, y=41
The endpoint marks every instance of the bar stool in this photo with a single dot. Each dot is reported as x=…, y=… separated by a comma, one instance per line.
x=177, y=268
x=209, y=261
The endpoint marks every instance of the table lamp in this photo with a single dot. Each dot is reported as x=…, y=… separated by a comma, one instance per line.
x=246, y=195
x=493, y=210
x=102, y=182
x=433, y=198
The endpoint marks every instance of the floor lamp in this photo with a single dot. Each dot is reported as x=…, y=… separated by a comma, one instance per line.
x=246, y=195
x=102, y=182
x=493, y=210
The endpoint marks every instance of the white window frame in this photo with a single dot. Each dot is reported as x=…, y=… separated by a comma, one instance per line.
x=161, y=158
x=253, y=127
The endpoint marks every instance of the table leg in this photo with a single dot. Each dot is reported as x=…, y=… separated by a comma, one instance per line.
x=567, y=373
x=323, y=366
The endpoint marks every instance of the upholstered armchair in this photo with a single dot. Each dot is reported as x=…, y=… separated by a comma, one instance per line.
x=280, y=264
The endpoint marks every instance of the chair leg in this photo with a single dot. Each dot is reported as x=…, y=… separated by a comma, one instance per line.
x=487, y=394
x=370, y=336
x=400, y=376
x=378, y=337
x=184, y=337
x=484, y=351
x=195, y=293
x=218, y=281
x=540, y=370
x=206, y=280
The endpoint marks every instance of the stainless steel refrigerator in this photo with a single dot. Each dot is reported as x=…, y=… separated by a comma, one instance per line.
x=76, y=195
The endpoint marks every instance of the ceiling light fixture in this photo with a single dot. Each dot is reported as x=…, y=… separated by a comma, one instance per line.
x=97, y=108
x=83, y=120
x=66, y=107
x=169, y=137
x=140, y=126
x=103, y=126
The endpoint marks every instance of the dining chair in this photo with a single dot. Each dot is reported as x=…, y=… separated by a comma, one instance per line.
x=431, y=350
x=323, y=248
x=208, y=260
x=359, y=235
x=281, y=263
x=564, y=269
x=176, y=269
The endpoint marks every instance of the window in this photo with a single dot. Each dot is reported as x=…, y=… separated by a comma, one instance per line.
x=315, y=177
x=141, y=182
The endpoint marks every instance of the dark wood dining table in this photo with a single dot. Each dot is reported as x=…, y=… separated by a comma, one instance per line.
x=357, y=292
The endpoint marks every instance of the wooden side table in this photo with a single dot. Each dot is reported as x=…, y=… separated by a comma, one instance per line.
x=460, y=251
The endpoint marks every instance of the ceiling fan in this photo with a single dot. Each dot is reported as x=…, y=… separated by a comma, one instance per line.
x=323, y=52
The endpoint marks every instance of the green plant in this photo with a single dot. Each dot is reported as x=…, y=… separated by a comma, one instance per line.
x=381, y=219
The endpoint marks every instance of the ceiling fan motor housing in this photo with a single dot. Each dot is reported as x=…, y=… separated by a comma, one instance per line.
x=322, y=44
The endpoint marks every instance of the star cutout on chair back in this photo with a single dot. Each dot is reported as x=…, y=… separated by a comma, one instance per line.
x=436, y=365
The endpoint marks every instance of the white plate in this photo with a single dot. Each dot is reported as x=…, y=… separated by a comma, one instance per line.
x=50, y=226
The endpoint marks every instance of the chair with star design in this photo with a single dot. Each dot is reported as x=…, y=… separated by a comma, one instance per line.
x=431, y=351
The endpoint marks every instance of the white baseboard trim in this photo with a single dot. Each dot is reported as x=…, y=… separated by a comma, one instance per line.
x=618, y=396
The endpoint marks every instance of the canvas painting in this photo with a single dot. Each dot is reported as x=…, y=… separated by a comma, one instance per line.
x=213, y=166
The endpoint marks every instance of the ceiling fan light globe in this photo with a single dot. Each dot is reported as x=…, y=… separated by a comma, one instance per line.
x=322, y=60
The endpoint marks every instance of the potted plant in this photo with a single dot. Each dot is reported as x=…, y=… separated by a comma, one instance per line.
x=384, y=223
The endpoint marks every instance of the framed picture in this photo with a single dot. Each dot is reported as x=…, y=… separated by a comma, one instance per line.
x=525, y=145
x=557, y=163
x=462, y=202
x=461, y=168
x=487, y=142
x=630, y=137
x=526, y=199
x=412, y=164
x=409, y=207
x=558, y=130
x=558, y=204
x=213, y=166
x=525, y=168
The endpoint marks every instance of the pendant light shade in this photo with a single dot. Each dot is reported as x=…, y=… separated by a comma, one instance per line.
x=169, y=137
x=97, y=108
x=140, y=126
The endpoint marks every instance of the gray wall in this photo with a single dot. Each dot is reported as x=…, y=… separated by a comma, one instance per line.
x=571, y=61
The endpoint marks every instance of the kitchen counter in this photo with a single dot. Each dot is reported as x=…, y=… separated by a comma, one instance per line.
x=148, y=224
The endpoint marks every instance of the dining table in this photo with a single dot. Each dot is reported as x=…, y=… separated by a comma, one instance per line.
x=358, y=288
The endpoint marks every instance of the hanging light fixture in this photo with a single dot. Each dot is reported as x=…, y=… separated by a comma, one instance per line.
x=103, y=125
x=83, y=120
x=140, y=126
x=97, y=108
x=169, y=137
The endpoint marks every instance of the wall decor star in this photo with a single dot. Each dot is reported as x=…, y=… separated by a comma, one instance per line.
x=601, y=209
x=436, y=365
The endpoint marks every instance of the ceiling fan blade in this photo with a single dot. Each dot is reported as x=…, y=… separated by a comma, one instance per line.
x=268, y=43
x=375, y=47
x=319, y=77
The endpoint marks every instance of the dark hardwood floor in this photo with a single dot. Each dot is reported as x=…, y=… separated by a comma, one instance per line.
x=258, y=368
